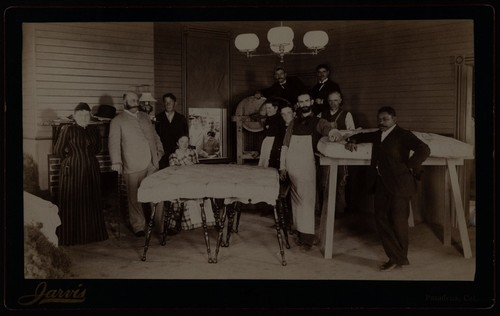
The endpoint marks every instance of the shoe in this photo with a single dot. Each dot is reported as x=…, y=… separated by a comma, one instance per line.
x=305, y=248
x=298, y=242
x=388, y=266
x=315, y=241
x=140, y=233
x=172, y=232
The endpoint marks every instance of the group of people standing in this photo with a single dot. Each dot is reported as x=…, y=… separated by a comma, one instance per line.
x=291, y=143
x=137, y=148
x=296, y=119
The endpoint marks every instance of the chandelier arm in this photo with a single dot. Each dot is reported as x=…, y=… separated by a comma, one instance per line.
x=259, y=55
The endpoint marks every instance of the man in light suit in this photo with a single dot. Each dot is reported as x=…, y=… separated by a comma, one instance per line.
x=393, y=176
x=135, y=150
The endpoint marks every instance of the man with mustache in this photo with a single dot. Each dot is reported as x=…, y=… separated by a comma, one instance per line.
x=135, y=150
x=319, y=93
x=393, y=175
x=299, y=164
x=285, y=87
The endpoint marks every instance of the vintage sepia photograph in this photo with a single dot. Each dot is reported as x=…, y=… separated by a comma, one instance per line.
x=255, y=151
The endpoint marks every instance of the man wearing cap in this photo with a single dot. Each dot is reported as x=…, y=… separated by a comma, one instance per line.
x=135, y=150
x=170, y=126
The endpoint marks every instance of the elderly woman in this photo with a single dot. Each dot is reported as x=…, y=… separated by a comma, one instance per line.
x=80, y=205
x=274, y=131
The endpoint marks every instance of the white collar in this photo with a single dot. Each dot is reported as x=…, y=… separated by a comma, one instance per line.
x=322, y=82
x=387, y=132
x=130, y=113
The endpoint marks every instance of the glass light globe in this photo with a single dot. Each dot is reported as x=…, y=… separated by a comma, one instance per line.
x=280, y=35
x=315, y=39
x=247, y=42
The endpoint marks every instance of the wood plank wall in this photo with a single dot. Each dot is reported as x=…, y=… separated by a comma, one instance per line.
x=168, y=63
x=406, y=64
x=84, y=62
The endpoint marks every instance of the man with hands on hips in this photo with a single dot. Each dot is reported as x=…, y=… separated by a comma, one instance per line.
x=393, y=178
x=135, y=150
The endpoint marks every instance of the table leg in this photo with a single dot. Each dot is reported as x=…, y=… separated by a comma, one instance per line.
x=148, y=234
x=167, y=215
x=231, y=209
x=281, y=211
x=328, y=212
x=238, y=215
x=221, y=232
x=205, y=231
x=278, y=234
x=216, y=211
x=459, y=209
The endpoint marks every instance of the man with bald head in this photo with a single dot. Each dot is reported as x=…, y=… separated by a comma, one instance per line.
x=135, y=150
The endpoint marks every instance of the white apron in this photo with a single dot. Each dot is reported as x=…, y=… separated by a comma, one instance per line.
x=265, y=151
x=302, y=173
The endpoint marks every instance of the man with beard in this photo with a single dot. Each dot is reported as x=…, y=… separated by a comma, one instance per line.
x=135, y=150
x=393, y=176
x=299, y=164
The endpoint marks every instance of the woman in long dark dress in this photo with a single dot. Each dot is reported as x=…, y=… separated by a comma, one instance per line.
x=80, y=205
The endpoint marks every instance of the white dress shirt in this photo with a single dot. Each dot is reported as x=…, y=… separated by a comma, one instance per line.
x=386, y=132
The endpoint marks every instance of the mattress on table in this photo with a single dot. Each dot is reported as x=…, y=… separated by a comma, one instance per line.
x=234, y=182
x=441, y=146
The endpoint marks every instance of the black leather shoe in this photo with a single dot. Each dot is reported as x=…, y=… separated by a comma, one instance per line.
x=140, y=233
x=305, y=248
x=172, y=232
x=388, y=266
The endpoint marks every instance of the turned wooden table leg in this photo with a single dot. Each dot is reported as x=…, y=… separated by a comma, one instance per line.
x=221, y=231
x=205, y=231
x=278, y=234
x=148, y=234
x=231, y=209
x=167, y=215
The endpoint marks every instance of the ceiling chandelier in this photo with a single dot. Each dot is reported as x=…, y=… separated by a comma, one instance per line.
x=281, y=42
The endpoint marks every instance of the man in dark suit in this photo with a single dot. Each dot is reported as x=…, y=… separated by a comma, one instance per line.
x=284, y=87
x=170, y=125
x=393, y=175
x=320, y=92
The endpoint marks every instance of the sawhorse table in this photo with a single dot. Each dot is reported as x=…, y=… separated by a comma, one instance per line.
x=328, y=211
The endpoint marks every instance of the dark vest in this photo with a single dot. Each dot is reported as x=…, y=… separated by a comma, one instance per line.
x=307, y=126
x=338, y=117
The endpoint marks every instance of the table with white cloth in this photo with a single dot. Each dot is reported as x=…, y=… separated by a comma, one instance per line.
x=445, y=151
x=229, y=183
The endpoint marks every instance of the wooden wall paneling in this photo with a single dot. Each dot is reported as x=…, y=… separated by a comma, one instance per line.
x=168, y=63
x=68, y=63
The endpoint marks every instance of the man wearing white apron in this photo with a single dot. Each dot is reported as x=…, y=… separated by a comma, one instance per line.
x=298, y=162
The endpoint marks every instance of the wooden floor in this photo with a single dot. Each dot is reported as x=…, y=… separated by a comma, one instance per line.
x=254, y=254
